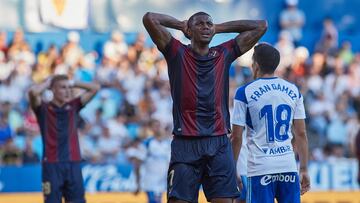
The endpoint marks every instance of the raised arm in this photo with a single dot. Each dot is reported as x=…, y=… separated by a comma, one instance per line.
x=301, y=144
x=156, y=25
x=90, y=90
x=35, y=92
x=250, y=31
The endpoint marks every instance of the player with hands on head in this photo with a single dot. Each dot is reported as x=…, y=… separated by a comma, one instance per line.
x=201, y=151
x=58, y=120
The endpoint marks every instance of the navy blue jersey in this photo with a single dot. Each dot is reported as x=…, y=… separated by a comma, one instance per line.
x=58, y=126
x=200, y=88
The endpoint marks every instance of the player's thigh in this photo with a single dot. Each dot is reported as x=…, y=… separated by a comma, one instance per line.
x=261, y=189
x=74, y=191
x=288, y=188
x=219, y=180
x=183, y=182
x=52, y=182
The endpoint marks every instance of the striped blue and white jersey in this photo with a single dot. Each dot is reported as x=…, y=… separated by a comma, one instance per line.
x=267, y=107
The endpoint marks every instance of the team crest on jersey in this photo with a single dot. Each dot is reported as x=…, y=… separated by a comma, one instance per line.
x=213, y=53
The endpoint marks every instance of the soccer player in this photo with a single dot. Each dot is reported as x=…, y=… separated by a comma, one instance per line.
x=199, y=79
x=270, y=108
x=58, y=120
x=155, y=163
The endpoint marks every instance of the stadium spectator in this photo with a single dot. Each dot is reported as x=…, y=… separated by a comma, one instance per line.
x=345, y=53
x=3, y=43
x=292, y=19
x=89, y=150
x=155, y=163
x=108, y=146
x=45, y=64
x=72, y=52
x=116, y=48
x=328, y=42
x=6, y=133
x=17, y=44
x=12, y=116
x=286, y=49
x=117, y=128
x=10, y=153
x=28, y=155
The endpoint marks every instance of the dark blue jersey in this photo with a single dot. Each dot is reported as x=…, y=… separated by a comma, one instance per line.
x=200, y=88
x=58, y=127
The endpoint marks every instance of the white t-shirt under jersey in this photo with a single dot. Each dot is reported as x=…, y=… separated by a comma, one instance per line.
x=267, y=107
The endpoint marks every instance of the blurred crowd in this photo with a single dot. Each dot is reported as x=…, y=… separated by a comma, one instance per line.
x=135, y=91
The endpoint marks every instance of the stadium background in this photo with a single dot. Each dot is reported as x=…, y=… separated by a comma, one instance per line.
x=104, y=40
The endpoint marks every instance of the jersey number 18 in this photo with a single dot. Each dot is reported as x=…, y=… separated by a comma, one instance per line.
x=282, y=121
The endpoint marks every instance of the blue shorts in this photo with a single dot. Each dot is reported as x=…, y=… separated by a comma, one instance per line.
x=154, y=197
x=285, y=187
x=244, y=188
x=206, y=161
x=62, y=179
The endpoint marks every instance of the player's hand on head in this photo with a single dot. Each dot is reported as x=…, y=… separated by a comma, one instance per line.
x=185, y=28
x=304, y=182
x=48, y=80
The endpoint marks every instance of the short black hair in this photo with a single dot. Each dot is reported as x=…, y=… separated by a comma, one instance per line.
x=191, y=19
x=201, y=13
x=267, y=56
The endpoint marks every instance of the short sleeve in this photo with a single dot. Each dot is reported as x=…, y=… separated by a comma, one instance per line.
x=171, y=49
x=299, y=108
x=239, y=113
x=76, y=104
x=232, y=49
x=240, y=107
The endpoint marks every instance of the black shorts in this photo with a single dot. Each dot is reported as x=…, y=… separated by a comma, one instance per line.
x=62, y=179
x=206, y=161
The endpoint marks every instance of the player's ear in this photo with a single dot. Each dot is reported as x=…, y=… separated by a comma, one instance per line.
x=188, y=33
x=255, y=69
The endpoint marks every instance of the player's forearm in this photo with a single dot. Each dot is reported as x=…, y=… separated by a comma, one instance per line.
x=302, y=149
x=239, y=26
x=164, y=20
x=91, y=87
x=236, y=140
x=236, y=143
x=38, y=89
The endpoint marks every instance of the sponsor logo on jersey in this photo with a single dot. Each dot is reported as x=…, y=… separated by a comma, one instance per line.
x=267, y=179
x=277, y=150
